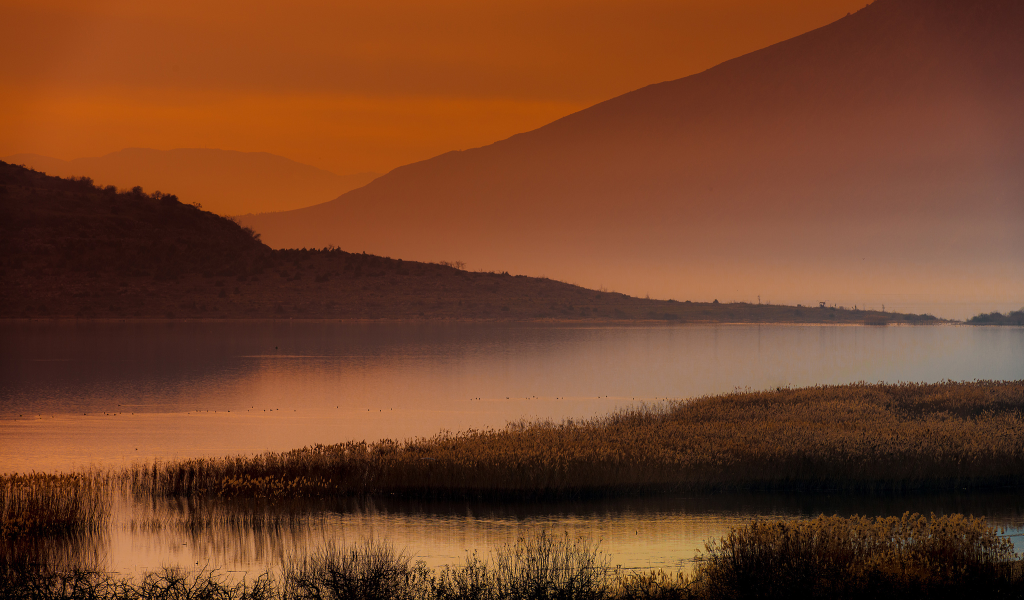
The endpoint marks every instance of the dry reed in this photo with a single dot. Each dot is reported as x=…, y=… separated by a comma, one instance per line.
x=834, y=557
x=849, y=437
x=373, y=570
x=47, y=504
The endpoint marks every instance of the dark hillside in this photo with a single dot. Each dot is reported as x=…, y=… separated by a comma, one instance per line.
x=57, y=227
x=1013, y=318
x=70, y=249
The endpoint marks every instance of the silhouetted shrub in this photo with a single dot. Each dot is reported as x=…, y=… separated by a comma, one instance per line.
x=371, y=571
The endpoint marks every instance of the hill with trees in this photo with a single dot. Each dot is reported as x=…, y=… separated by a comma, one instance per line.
x=1012, y=318
x=70, y=249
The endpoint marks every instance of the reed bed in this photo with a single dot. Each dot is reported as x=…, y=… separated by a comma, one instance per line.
x=834, y=557
x=830, y=557
x=53, y=504
x=848, y=437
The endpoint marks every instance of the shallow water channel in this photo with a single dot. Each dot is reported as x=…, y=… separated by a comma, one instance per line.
x=659, y=532
x=76, y=395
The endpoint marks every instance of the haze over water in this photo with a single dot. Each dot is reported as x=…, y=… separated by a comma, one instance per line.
x=82, y=394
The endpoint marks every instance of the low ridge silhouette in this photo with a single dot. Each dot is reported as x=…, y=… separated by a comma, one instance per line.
x=226, y=182
x=71, y=249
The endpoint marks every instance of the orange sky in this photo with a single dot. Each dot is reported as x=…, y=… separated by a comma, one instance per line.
x=349, y=86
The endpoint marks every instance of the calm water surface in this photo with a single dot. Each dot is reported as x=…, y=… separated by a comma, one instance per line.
x=74, y=395
x=79, y=394
x=662, y=532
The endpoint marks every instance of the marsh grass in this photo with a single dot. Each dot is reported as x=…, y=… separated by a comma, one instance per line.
x=550, y=566
x=849, y=437
x=834, y=557
x=829, y=557
x=53, y=504
x=373, y=570
x=543, y=566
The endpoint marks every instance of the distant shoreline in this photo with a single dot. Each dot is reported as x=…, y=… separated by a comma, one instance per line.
x=76, y=251
x=419, y=321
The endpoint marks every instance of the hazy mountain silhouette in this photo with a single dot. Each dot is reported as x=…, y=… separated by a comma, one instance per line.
x=883, y=153
x=223, y=181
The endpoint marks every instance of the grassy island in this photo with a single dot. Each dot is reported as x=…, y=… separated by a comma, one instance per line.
x=848, y=437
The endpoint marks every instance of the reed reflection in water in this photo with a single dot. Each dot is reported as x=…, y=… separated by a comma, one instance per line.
x=654, y=532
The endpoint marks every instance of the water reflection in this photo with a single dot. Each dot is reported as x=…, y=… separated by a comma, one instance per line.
x=78, y=394
x=58, y=552
x=643, y=532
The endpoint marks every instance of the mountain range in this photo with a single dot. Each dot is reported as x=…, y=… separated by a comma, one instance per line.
x=225, y=182
x=881, y=154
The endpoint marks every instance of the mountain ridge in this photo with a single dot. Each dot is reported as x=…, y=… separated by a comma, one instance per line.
x=898, y=122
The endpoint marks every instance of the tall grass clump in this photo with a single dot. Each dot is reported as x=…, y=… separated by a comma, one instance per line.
x=847, y=437
x=860, y=557
x=52, y=504
x=547, y=566
x=539, y=567
x=373, y=570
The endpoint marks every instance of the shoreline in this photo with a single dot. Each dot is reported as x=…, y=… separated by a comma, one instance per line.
x=428, y=320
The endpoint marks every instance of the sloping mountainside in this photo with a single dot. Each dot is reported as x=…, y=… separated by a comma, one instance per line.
x=883, y=153
x=71, y=249
x=222, y=181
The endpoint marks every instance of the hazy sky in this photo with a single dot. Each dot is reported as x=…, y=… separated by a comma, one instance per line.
x=349, y=86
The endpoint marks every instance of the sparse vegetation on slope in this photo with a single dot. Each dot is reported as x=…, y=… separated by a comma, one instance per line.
x=1015, y=318
x=69, y=249
x=864, y=437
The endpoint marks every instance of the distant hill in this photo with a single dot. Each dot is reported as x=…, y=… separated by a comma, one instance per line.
x=222, y=181
x=71, y=249
x=1013, y=318
x=881, y=154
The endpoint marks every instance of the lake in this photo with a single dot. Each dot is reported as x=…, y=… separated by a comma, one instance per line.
x=83, y=394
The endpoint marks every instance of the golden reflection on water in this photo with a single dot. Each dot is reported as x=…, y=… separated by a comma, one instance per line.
x=645, y=533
